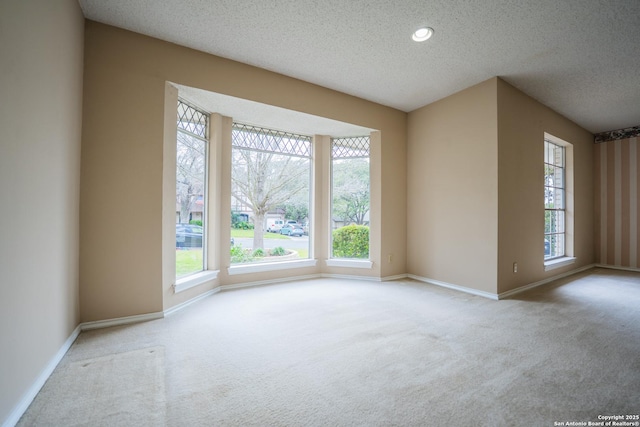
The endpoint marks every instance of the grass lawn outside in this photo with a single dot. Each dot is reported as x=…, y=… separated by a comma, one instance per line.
x=188, y=261
x=302, y=253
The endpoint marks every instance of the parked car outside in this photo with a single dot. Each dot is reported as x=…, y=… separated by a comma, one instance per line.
x=188, y=236
x=292, y=230
x=275, y=226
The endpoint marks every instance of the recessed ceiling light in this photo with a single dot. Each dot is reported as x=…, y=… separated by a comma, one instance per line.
x=422, y=34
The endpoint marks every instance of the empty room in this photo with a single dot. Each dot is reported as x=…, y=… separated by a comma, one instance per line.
x=319, y=213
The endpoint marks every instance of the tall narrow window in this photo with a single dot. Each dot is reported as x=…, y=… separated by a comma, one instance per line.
x=270, y=182
x=350, y=197
x=191, y=172
x=555, y=214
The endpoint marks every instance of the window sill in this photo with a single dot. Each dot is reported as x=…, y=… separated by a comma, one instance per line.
x=189, y=282
x=350, y=263
x=270, y=266
x=558, y=262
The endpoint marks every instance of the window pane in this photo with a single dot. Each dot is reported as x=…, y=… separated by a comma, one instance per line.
x=271, y=175
x=554, y=222
x=554, y=200
x=548, y=175
x=549, y=197
x=350, y=198
x=555, y=155
x=554, y=246
x=190, y=190
x=558, y=177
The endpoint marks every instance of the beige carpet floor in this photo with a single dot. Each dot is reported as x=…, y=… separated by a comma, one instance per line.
x=331, y=352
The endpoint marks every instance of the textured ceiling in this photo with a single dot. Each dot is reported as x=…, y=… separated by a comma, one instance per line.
x=579, y=57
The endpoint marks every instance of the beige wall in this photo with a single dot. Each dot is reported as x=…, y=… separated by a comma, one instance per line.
x=522, y=122
x=121, y=271
x=40, y=124
x=617, y=199
x=453, y=189
x=475, y=195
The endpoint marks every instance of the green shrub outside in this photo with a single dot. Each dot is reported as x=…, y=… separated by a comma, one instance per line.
x=351, y=241
x=235, y=218
x=239, y=255
x=196, y=222
x=278, y=251
x=243, y=225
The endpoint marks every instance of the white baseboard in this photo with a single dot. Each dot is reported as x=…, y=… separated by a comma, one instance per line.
x=471, y=291
x=273, y=282
x=506, y=294
x=396, y=277
x=617, y=267
x=312, y=276
x=180, y=306
x=33, y=391
x=87, y=326
x=350, y=277
x=369, y=278
x=268, y=282
x=512, y=292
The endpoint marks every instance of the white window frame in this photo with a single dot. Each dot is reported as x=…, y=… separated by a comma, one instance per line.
x=204, y=137
x=364, y=263
x=567, y=258
x=268, y=143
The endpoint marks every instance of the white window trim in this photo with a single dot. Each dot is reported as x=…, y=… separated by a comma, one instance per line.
x=349, y=263
x=195, y=279
x=345, y=262
x=204, y=275
x=269, y=266
x=302, y=147
x=568, y=258
x=559, y=262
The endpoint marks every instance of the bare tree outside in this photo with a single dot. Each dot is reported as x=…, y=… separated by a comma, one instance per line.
x=297, y=208
x=351, y=190
x=190, y=172
x=267, y=174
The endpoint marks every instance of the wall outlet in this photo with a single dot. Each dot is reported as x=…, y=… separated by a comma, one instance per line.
x=515, y=267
